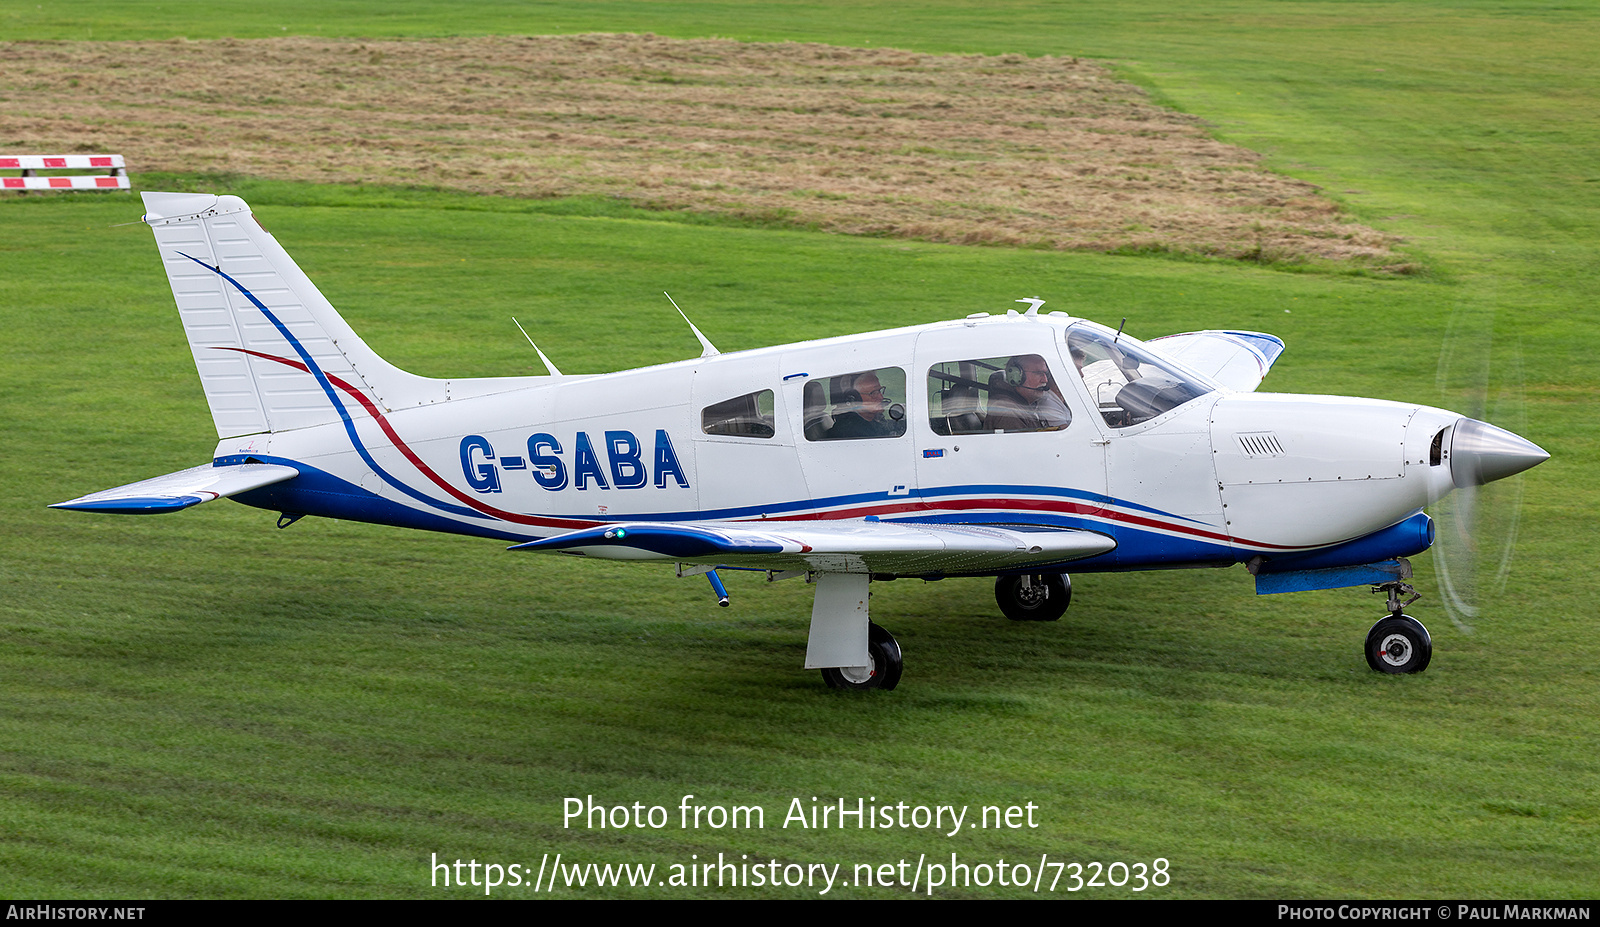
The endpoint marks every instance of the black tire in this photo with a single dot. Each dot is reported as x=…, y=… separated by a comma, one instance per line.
x=1045, y=600
x=885, y=664
x=1399, y=644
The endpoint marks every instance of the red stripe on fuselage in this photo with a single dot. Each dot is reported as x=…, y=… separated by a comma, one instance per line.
x=1003, y=505
x=416, y=461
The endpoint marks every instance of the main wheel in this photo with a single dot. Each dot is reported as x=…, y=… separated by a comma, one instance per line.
x=1044, y=599
x=884, y=665
x=1399, y=644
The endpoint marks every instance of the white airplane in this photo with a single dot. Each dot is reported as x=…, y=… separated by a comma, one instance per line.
x=1015, y=446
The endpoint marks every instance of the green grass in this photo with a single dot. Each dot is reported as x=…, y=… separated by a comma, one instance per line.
x=203, y=706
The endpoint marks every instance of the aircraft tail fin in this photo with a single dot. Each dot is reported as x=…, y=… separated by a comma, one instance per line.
x=271, y=350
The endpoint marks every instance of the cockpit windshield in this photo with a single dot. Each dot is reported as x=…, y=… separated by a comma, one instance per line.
x=1128, y=383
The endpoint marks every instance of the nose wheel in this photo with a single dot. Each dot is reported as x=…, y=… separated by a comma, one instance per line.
x=1399, y=644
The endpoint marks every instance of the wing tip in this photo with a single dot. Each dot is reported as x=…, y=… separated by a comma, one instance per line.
x=147, y=505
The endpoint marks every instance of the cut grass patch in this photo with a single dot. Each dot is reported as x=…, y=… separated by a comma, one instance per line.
x=970, y=149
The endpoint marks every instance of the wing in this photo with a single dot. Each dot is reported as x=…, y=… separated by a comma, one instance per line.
x=833, y=546
x=177, y=491
x=1237, y=360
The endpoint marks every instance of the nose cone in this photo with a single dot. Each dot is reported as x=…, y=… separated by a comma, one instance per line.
x=1481, y=453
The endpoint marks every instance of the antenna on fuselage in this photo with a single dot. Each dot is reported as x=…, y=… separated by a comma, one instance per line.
x=707, y=348
x=1033, y=302
x=548, y=366
x=1119, y=329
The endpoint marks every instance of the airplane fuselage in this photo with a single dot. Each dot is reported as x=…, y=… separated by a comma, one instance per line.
x=1221, y=478
x=1013, y=446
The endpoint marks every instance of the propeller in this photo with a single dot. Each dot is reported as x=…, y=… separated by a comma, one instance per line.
x=1476, y=523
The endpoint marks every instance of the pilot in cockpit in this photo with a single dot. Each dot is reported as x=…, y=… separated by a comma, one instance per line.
x=1027, y=401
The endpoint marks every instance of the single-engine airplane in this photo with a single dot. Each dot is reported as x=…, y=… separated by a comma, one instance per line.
x=1016, y=446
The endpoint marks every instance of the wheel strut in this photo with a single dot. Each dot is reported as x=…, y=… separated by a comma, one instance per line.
x=1397, y=587
x=1399, y=643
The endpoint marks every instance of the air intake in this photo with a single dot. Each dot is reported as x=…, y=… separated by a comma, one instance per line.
x=1259, y=444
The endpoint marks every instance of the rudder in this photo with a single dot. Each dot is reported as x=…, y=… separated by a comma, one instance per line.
x=259, y=329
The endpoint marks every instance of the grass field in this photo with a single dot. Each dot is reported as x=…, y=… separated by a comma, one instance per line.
x=1047, y=152
x=203, y=706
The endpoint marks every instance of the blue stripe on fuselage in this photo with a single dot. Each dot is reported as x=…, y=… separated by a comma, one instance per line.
x=317, y=492
x=333, y=397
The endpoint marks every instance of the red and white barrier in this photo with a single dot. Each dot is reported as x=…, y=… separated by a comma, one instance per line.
x=80, y=182
x=116, y=179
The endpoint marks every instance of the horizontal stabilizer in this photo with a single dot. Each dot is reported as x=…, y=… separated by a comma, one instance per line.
x=844, y=547
x=1237, y=360
x=177, y=491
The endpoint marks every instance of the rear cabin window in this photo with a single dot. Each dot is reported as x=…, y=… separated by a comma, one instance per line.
x=864, y=404
x=991, y=395
x=747, y=416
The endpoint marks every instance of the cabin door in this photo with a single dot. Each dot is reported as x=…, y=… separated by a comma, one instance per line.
x=1001, y=436
x=854, y=420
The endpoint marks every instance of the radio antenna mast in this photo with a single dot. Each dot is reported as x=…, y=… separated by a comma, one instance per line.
x=548, y=366
x=707, y=349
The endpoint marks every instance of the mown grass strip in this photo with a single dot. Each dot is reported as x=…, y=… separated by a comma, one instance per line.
x=204, y=706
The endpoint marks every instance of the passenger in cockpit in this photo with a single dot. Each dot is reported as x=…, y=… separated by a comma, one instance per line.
x=868, y=417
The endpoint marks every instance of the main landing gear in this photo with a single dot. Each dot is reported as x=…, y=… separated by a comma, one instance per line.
x=883, y=669
x=1399, y=643
x=852, y=652
x=1039, y=597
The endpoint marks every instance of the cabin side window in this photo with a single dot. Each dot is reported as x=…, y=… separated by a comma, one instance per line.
x=747, y=416
x=995, y=394
x=864, y=404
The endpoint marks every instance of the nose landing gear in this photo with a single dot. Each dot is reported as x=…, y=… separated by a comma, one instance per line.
x=1399, y=643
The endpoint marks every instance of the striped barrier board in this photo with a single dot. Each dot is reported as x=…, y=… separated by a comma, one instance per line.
x=80, y=182
x=115, y=179
x=63, y=162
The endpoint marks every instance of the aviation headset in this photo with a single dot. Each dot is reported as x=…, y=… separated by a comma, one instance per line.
x=851, y=396
x=1016, y=376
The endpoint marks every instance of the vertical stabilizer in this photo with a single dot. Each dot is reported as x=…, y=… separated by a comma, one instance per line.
x=269, y=347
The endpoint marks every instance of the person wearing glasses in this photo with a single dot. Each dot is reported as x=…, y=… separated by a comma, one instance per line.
x=869, y=412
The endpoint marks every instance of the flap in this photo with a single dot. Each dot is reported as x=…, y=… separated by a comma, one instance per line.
x=177, y=491
x=1237, y=360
